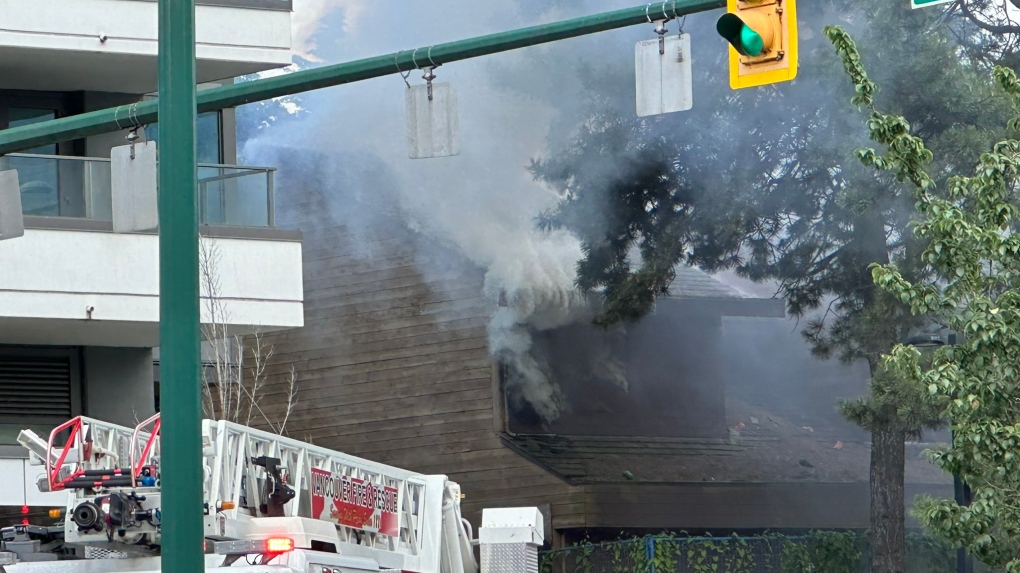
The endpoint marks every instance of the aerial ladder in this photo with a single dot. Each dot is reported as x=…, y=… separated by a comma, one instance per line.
x=271, y=503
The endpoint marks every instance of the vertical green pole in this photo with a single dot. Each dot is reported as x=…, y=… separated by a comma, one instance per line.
x=180, y=397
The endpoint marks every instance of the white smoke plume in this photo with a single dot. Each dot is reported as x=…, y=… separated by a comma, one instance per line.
x=484, y=202
x=532, y=285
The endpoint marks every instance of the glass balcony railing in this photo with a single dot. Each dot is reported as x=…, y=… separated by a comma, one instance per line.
x=81, y=187
x=235, y=196
x=60, y=186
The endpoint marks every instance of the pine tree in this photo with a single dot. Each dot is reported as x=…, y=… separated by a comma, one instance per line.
x=765, y=183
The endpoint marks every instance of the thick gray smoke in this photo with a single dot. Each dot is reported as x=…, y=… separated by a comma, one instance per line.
x=484, y=201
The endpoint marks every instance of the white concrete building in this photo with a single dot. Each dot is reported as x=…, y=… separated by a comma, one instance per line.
x=79, y=302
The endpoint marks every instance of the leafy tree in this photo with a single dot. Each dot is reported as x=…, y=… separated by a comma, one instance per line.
x=970, y=226
x=761, y=184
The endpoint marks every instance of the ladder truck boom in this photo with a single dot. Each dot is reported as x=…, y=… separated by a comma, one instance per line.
x=271, y=504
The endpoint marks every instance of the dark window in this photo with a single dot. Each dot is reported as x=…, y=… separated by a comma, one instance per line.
x=40, y=387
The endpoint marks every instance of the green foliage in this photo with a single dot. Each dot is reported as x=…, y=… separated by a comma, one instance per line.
x=742, y=556
x=894, y=399
x=969, y=228
x=582, y=560
x=613, y=209
x=847, y=50
x=816, y=552
x=929, y=554
x=823, y=551
x=546, y=561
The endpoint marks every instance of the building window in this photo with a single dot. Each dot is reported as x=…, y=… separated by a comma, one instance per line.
x=208, y=136
x=49, y=187
x=40, y=387
x=40, y=190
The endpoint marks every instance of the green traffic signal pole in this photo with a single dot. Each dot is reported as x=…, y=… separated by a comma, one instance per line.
x=147, y=112
x=179, y=313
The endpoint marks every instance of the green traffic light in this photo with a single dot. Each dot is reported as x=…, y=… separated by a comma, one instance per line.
x=746, y=41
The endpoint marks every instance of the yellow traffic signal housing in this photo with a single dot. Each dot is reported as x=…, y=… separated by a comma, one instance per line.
x=763, y=35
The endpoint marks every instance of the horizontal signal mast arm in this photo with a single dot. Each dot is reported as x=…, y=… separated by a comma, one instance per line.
x=142, y=113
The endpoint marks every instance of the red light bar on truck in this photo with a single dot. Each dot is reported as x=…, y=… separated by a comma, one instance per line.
x=271, y=546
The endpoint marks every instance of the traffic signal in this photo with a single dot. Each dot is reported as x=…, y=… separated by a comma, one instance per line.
x=763, y=34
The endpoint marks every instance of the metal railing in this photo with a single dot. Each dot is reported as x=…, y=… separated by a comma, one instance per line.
x=81, y=187
x=236, y=196
x=62, y=186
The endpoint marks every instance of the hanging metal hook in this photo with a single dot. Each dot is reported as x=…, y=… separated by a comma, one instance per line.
x=660, y=29
x=428, y=77
x=132, y=137
x=396, y=64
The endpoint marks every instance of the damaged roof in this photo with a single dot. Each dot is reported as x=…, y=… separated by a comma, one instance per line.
x=753, y=440
x=762, y=447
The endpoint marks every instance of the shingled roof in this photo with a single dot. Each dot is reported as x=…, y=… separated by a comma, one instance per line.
x=763, y=448
x=692, y=282
x=763, y=445
x=711, y=295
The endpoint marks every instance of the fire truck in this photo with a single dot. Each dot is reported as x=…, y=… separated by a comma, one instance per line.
x=271, y=504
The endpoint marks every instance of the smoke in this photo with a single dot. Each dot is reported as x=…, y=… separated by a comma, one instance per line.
x=513, y=107
x=532, y=282
x=484, y=202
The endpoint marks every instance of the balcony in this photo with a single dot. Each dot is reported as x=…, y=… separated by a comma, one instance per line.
x=81, y=188
x=72, y=280
x=110, y=45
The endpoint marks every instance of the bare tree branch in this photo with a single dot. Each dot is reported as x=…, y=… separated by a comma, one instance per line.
x=1000, y=29
x=227, y=393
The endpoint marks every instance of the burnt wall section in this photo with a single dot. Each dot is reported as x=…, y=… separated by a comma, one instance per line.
x=657, y=378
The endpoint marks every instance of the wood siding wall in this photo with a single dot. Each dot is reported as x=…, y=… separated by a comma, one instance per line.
x=725, y=507
x=393, y=366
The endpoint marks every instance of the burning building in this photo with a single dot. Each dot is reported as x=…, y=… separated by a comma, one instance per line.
x=709, y=415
